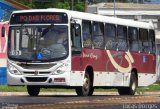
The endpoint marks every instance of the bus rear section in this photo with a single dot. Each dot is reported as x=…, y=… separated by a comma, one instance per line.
x=3, y=52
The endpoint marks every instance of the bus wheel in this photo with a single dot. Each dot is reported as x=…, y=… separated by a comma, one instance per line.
x=91, y=91
x=86, y=89
x=131, y=90
x=33, y=90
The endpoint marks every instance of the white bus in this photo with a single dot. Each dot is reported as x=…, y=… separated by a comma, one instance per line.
x=62, y=48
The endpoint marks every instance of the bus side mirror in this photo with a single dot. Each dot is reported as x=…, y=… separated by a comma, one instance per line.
x=77, y=29
x=3, y=32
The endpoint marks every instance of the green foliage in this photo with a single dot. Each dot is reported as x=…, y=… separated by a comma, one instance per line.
x=25, y=2
x=62, y=5
x=79, y=5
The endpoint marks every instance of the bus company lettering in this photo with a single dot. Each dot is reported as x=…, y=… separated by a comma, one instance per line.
x=129, y=59
x=90, y=55
x=40, y=18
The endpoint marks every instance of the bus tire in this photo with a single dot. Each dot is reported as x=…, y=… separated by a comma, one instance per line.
x=91, y=91
x=131, y=90
x=33, y=90
x=86, y=89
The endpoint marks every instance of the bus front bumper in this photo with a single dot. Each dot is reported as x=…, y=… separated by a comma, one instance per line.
x=49, y=80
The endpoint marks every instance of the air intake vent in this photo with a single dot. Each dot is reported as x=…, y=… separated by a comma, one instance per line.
x=36, y=79
x=38, y=72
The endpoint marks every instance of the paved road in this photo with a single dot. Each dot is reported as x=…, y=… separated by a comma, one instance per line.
x=72, y=101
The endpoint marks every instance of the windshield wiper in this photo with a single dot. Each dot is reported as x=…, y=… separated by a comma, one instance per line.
x=46, y=30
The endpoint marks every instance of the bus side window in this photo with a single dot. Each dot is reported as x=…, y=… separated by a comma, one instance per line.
x=76, y=38
x=110, y=36
x=86, y=32
x=151, y=41
x=143, y=37
x=133, y=39
x=98, y=35
x=121, y=38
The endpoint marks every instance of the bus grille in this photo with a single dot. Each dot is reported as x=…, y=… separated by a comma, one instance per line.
x=38, y=72
x=36, y=79
x=36, y=66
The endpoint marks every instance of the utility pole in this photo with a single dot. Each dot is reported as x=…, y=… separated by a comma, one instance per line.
x=86, y=4
x=114, y=8
x=72, y=5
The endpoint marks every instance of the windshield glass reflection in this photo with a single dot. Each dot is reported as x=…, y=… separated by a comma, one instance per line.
x=38, y=43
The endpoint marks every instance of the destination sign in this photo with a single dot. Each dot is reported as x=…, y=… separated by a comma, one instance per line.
x=40, y=17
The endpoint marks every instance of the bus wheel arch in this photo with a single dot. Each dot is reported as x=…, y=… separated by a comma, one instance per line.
x=133, y=81
x=90, y=71
x=135, y=72
x=133, y=84
x=87, y=88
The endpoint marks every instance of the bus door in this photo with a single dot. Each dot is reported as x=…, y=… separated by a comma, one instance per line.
x=76, y=45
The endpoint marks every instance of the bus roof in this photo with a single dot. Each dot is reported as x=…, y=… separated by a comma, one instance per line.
x=94, y=17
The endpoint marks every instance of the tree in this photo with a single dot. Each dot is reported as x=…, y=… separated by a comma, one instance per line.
x=79, y=5
x=62, y=5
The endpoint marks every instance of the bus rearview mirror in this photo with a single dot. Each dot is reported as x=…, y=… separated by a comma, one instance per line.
x=77, y=29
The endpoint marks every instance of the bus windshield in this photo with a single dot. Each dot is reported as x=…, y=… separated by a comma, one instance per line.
x=38, y=43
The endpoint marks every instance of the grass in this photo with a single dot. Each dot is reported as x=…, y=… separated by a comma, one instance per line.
x=154, y=87
x=5, y=88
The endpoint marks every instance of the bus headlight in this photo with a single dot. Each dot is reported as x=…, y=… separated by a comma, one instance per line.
x=60, y=70
x=13, y=70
